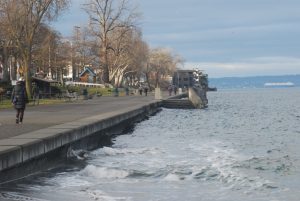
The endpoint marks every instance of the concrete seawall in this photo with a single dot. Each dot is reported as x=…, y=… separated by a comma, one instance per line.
x=198, y=97
x=34, y=151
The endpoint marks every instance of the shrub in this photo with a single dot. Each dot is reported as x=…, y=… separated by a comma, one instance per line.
x=97, y=91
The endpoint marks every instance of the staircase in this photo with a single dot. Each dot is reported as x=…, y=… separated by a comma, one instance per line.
x=178, y=104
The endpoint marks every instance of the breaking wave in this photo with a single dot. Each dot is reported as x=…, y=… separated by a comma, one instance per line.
x=109, y=151
x=103, y=172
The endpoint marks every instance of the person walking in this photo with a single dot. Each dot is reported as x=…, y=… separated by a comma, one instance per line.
x=141, y=90
x=127, y=90
x=19, y=100
x=146, y=90
x=175, y=89
x=170, y=89
x=35, y=94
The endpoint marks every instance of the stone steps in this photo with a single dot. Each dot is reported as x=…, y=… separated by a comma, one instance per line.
x=178, y=104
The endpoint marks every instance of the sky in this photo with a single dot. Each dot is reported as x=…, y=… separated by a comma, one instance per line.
x=225, y=38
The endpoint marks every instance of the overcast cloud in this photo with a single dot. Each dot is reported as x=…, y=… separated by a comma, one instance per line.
x=222, y=37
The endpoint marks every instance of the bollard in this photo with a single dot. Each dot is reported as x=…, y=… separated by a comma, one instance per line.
x=158, y=95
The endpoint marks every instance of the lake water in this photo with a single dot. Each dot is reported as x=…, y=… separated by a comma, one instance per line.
x=244, y=146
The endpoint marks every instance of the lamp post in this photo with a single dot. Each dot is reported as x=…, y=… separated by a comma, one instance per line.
x=77, y=34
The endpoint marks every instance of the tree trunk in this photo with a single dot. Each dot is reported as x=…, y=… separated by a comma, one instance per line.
x=5, y=65
x=105, y=62
x=105, y=73
x=27, y=75
x=148, y=81
x=157, y=80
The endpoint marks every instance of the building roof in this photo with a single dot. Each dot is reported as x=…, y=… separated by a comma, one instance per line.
x=87, y=69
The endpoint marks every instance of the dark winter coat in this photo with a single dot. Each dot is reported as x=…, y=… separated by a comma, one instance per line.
x=19, y=97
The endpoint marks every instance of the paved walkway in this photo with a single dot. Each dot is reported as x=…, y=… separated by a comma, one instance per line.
x=43, y=116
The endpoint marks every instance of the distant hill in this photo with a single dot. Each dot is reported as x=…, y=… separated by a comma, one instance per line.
x=251, y=82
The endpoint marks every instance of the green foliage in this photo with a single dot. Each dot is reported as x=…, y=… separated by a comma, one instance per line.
x=5, y=103
x=71, y=89
x=80, y=90
x=76, y=89
x=97, y=91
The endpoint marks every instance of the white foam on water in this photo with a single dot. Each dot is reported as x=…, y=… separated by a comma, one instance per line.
x=109, y=151
x=172, y=177
x=79, y=154
x=102, y=196
x=103, y=172
x=12, y=196
x=69, y=181
x=221, y=166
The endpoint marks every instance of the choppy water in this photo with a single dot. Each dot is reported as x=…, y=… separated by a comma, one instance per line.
x=244, y=146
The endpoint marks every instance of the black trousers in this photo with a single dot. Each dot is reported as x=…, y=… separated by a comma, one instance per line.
x=20, y=114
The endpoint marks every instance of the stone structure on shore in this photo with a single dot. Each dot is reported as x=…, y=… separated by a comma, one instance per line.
x=197, y=84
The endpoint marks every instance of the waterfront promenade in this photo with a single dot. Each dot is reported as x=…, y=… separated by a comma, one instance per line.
x=43, y=116
x=50, y=132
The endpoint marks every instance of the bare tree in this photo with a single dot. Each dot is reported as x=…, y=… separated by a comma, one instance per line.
x=161, y=63
x=22, y=20
x=106, y=17
x=83, y=49
x=63, y=59
x=7, y=50
x=125, y=56
x=138, y=52
x=44, y=50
